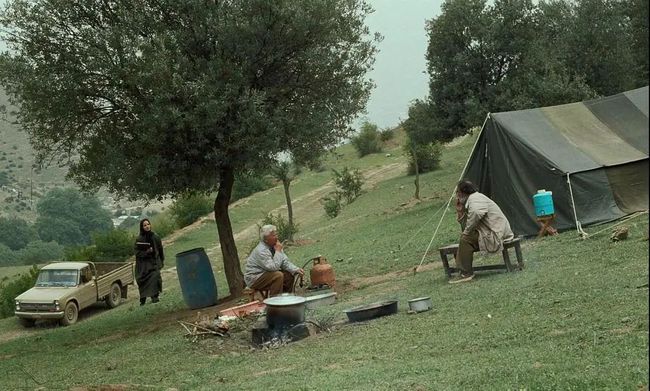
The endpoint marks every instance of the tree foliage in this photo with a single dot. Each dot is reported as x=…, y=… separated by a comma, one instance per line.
x=15, y=233
x=367, y=141
x=189, y=208
x=162, y=97
x=510, y=55
x=69, y=217
x=9, y=290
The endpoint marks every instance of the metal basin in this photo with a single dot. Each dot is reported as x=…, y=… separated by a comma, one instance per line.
x=371, y=311
x=420, y=304
x=320, y=300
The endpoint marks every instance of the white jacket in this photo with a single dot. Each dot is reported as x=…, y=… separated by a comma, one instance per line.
x=261, y=261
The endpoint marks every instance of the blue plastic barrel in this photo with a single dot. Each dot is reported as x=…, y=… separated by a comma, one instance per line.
x=196, y=278
x=543, y=202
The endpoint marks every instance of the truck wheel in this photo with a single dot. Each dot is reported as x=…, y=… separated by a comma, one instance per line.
x=114, y=297
x=70, y=314
x=26, y=322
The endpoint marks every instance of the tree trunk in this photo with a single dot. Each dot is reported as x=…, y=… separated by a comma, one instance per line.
x=286, y=184
x=417, y=175
x=231, y=265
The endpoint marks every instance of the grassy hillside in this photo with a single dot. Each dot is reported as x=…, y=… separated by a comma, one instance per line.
x=575, y=318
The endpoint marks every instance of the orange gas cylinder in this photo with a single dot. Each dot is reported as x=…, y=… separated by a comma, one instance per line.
x=322, y=273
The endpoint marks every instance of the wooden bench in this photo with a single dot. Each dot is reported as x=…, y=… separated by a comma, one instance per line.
x=507, y=265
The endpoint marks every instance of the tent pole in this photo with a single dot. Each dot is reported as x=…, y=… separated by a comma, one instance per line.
x=453, y=192
x=582, y=233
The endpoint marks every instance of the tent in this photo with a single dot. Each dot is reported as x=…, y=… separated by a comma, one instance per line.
x=592, y=155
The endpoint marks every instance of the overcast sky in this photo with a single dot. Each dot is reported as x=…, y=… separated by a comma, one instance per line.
x=400, y=68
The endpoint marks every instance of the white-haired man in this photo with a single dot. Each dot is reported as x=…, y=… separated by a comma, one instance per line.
x=267, y=267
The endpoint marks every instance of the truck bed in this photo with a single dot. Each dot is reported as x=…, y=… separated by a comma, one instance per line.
x=110, y=272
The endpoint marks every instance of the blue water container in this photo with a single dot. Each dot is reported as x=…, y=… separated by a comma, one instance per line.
x=196, y=278
x=543, y=202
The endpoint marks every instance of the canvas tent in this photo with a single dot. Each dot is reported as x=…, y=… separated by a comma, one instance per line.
x=592, y=155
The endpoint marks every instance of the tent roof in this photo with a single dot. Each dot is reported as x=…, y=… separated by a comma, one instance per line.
x=584, y=136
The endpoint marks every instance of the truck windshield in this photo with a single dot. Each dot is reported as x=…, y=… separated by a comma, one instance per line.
x=57, y=278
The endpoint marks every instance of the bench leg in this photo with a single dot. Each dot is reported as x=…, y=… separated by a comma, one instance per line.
x=445, y=263
x=520, y=257
x=506, y=259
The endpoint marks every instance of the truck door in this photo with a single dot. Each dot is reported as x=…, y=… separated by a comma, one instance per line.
x=87, y=288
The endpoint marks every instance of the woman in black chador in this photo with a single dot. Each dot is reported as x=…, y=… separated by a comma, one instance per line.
x=149, y=260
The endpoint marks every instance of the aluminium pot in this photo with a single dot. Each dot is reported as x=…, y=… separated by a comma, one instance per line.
x=284, y=311
x=420, y=304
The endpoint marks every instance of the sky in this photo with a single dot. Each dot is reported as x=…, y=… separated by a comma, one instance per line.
x=400, y=67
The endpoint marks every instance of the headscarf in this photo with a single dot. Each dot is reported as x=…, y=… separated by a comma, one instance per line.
x=148, y=236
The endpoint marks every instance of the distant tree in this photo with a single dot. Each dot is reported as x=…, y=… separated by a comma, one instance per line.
x=115, y=245
x=15, y=233
x=188, y=208
x=286, y=171
x=7, y=256
x=367, y=141
x=160, y=97
x=69, y=217
x=511, y=55
x=421, y=145
x=39, y=251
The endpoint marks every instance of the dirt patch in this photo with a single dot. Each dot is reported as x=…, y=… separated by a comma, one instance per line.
x=622, y=330
x=374, y=280
x=6, y=356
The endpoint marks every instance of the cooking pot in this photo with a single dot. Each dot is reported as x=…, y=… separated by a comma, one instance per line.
x=284, y=310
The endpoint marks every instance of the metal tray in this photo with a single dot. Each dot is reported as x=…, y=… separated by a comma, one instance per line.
x=371, y=311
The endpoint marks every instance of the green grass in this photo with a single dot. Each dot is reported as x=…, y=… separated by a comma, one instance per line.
x=574, y=319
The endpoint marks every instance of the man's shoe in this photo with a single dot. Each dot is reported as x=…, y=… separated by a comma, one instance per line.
x=142, y=301
x=462, y=278
x=155, y=299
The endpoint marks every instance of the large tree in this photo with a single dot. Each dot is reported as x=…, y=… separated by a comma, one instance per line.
x=515, y=54
x=155, y=98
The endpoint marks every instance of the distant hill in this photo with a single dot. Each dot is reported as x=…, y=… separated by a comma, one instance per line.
x=21, y=184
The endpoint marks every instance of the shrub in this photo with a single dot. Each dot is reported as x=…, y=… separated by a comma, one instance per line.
x=162, y=224
x=332, y=204
x=189, y=208
x=386, y=134
x=15, y=233
x=285, y=230
x=114, y=245
x=248, y=184
x=80, y=254
x=7, y=256
x=349, y=183
x=367, y=141
x=428, y=158
x=39, y=251
x=10, y=289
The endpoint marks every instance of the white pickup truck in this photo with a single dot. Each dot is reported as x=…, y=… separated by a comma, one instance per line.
x=63, y=289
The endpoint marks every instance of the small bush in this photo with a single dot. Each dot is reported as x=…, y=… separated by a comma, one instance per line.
x=248, y=184
x=428, y=158
x=332, y=204
x=7, y=256
x=39, y=251
x=367, y=141
x=386, y=134
x=9, y=290
x=188, y=209
x=115, y=245
x=162, y=224
x=285, y=230
x=349, y=183
x=80, y=254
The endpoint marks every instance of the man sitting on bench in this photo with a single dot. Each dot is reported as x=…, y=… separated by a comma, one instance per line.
x=484, y=227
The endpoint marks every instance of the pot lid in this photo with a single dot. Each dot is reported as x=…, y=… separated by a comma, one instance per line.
x=284, y=300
